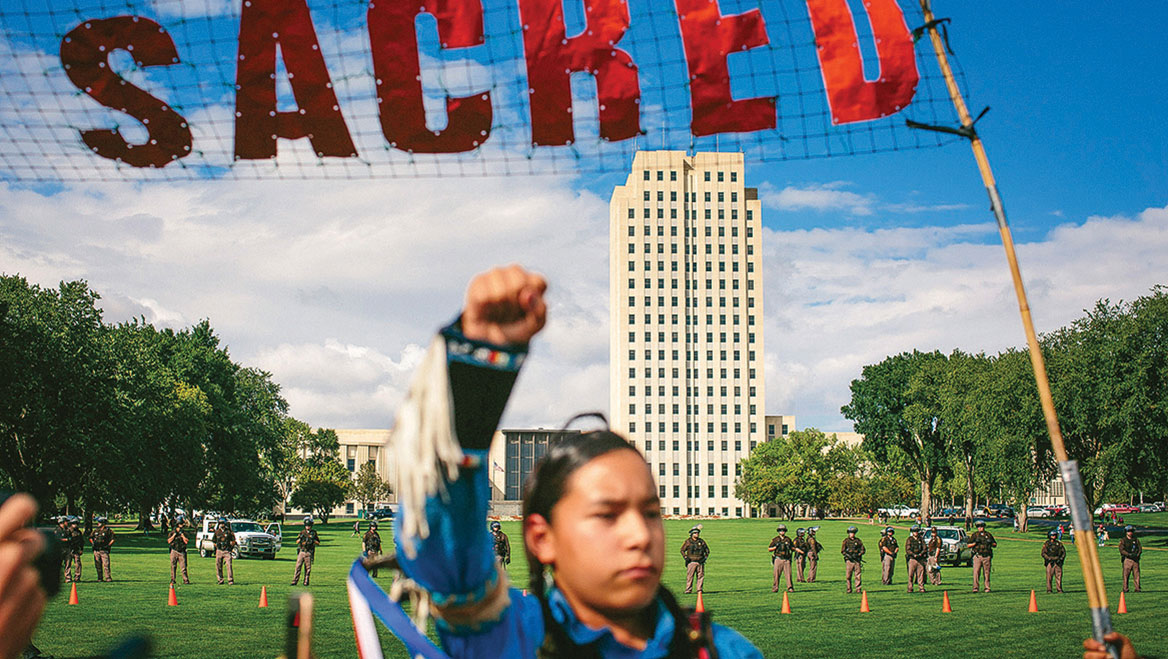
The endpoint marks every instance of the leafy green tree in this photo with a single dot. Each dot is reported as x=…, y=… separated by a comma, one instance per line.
x=791, y=471
x=369, y=487
x=965, y=424
x=896, y=406
x=321, y=488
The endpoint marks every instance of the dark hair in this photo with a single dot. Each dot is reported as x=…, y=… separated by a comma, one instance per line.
x=545, y=486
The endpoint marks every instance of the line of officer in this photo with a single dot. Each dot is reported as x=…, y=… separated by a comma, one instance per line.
x=853, y=552
x=371, y=542
x=102, y=538
x=782, y=548
x=306, y=544
x=695, y=551
x=889, y=548
x=982, y=543
x=177, y=541
x=813, y=549
x=916, y=554
x=1129, y=551
x=1053, y=555
x=224, y=540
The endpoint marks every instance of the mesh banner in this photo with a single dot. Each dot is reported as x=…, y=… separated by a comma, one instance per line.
x=183, y=89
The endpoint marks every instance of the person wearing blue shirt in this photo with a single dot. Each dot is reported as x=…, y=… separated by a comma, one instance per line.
x=592, y=526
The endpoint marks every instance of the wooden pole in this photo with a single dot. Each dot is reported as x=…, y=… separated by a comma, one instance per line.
x=1084, y=534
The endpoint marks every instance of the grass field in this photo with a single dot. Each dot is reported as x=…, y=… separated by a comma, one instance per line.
x=222, y=621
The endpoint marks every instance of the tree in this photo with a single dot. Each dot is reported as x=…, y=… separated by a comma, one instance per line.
x=369, y=488
x=790, y=471
x=896, y=407
x=960, y=407
x=321, y=488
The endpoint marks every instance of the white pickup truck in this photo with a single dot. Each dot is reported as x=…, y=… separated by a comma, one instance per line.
x=251, y=539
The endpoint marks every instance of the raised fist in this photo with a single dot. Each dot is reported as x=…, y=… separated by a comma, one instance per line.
x=504, y=306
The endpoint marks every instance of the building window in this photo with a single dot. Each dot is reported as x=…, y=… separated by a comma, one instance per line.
x=632, y=214
x=351, y=463
x=660, y=175
x=707, y=177
x=661, y=491
x=733, y=177
x=676, y=494
x=348, y=509
x=646, y=175
x=721, y=177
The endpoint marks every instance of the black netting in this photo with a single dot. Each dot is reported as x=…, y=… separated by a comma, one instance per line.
x=43, y=113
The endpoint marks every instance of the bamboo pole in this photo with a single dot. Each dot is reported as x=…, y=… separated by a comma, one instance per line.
x=1081, y=517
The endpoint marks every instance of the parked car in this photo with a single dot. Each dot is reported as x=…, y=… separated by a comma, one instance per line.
x=382, y=513
x=1149, y=508
x=1036, y=511
x=250, y=537
x=1000, y=510
x=1057, y=510
x=980, y=511
x=954, y=545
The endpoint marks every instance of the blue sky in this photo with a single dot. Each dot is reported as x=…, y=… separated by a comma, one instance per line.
x=334, y=285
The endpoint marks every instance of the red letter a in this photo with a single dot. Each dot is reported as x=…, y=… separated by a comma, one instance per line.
x=851, y=97
x=263, y=24
x=551, y=58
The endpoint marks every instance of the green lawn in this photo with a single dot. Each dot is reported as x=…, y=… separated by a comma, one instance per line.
x=224, y=621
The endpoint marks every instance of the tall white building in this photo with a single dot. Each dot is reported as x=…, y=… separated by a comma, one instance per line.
x=686, y=346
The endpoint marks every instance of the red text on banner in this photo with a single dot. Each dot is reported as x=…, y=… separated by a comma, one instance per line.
x=262, y=25
x=850, y=96
x=85, y=56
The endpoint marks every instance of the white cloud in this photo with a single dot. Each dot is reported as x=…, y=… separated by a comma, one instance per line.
x=818, y=197
x=836, y=300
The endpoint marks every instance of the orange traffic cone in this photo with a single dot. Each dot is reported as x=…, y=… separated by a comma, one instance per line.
x=1122, y=604
x=864, y=602
x=1033, y=603
x=263, y=597
x=945, y=608
x=786, y=604
x=172, y=600
x=701, y=606
x=73, y=594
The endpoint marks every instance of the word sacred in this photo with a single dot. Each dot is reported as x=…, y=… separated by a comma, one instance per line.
x=551, y=56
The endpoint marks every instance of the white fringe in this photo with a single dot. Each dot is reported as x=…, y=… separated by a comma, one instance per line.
x=424, y=444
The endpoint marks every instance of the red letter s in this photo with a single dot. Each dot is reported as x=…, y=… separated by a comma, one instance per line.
x=85, y=55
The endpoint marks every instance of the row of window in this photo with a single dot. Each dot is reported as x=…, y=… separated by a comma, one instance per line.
x=695, y=469
x=693, y=231
x=673, y=175
x=690, y=426
x=695, y=492
x=709, y=268
x=696, y=445
x=691, y=197
x=696, y=391
x=690, y=338
x=689, y=373
x=689, y=249
x=707, y=214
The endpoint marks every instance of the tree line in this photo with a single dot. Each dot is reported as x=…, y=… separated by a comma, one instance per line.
x=971, y=426
x=131, y=418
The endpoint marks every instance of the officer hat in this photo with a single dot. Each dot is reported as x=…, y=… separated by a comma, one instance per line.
x=980, y=522
x=813, y=529
x=222, y=519
x=800, y=531
x=308, y=521
x=916, y=528
x=852, y=529
x=372, y=524
x=496, y=526
x=1129, y=528
x=696, y=529
x=1052, y=533
x=889, y=530
x=782, y=527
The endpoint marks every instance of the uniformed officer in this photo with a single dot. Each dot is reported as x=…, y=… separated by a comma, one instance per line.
x=1053, y=555
x=982, y=543
x=224, y=540
x=102, y=539
x=1130, y=549
x=801, y=547
x=306, y=544
x=371, y=541
x=933, y=562
x=695, y=551
x=916, y=553
x=74, y=545
x=781, y=547
x=889, y=548
x=813, y=549
x=501, y=543
x=853, y=551
x=177, y=540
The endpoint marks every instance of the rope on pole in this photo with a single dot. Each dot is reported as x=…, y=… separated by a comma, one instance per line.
x=1080, y=515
